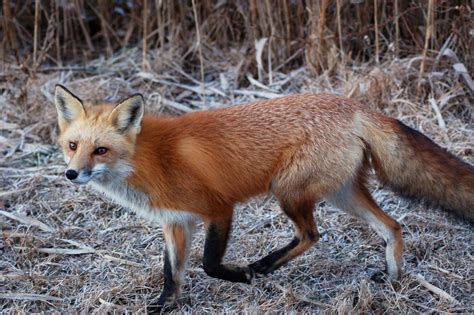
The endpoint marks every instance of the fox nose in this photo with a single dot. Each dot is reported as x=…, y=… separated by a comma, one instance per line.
x=71, y=174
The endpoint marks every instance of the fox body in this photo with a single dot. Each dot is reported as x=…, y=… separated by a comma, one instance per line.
x=303, y=149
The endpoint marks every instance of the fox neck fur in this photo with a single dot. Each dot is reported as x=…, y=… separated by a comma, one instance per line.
x=116, y=187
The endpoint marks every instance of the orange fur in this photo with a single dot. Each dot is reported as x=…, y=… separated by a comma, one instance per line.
x=226, y=156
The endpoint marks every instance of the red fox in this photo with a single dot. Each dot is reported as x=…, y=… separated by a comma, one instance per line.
x=303, y=149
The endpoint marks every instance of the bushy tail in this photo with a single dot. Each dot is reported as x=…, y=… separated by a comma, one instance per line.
x=412, y=164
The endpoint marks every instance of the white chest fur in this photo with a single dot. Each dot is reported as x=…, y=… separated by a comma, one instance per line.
x=121, y=193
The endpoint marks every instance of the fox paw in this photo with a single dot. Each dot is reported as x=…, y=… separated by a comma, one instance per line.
x=262, y=268
x=383, y=277
x=248, y=273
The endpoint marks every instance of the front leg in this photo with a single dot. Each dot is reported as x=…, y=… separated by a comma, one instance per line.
x=217, y=234
x=178, y=238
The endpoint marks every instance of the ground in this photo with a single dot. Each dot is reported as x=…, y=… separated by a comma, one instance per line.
x=65, y=248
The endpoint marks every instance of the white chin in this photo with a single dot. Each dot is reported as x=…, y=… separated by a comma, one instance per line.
x=80, y=181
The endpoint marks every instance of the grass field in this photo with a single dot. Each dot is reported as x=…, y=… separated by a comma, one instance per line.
x=66, y=249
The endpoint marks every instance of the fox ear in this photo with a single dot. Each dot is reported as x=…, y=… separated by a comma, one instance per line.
x=128, y=114
x=68, y=105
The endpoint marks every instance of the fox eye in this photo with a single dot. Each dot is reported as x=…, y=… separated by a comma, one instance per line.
x=100, y=151
x=73, y=146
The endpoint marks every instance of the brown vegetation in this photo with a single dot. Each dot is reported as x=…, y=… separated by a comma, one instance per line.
x=65, y=248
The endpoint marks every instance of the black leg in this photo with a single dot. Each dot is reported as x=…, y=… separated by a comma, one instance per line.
x=178, y=239
x=217, y=234
x=170, y=287
x=269, y=263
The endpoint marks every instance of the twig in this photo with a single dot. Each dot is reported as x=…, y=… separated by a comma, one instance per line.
x=198, y=36
x=270, y=41
x=397, y=29
x=57, y=33
x=258, y=83
x=13, y=276
x=461, y=69
x=161, y=27
x=35, y=34
x=427, y=41
x=9, y=36
x=446, y=272
x=60, y=251
x=176, y=105
x=339, y=27
x=67, y=69
x=27, y=220
x=253, y=19
x=32, y=169
x=434, y=288
x=103, y=26
x=145, y=64
x=29, y=297
x=376, y=29
x=258, y=94
x=258, y=56
x=83, y=26
x=322, y=23
x=437, y=111
x=4, y=194
x=7, y=126
x=122, y=261
x=198, y=90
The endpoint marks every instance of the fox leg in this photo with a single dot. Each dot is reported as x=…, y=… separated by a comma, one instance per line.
x=178, y=238
x=217, y=235
x=355, y=199
x=301, y=213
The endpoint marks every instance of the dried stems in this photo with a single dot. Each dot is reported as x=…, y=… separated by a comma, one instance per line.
x=80, y=17
x=161, y=26
x=429, y=27
x=145, y=64
x=322, y=24
x=64, y=249
x=199, y=45
x=376, y=31
x=270, y=40
x=397, y=28
x=339, y=27
x=67, y=250
x=57, y=38
x=317, y=29
x=35, y=36
x=9, y=39
x=103, y=24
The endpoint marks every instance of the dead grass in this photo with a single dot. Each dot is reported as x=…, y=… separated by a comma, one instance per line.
x=66, y=249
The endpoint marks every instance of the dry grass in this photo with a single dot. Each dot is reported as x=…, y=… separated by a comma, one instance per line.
x=53, y=32
x=65, y=248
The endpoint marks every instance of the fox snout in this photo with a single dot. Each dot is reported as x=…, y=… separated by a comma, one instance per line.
x=81, y=176
x=85, y=174
x=71, y=174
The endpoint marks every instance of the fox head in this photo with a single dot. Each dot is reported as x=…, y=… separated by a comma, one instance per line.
x=97, y=140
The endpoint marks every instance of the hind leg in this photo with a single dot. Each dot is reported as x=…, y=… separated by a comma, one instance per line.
x=301, y=213
x=355, y=199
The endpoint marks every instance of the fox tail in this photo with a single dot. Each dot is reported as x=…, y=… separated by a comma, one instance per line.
x=410, y=163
